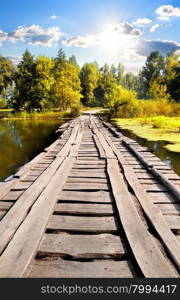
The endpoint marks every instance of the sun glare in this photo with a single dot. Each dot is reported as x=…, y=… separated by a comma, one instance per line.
x=111, y=40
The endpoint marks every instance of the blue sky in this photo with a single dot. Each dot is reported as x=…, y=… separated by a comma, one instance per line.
x=106, y=31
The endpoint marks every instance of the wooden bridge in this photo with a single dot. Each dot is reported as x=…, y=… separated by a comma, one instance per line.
x=93, y=204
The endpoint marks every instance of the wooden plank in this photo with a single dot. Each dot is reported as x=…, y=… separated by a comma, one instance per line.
x=82, y=224
x=12, y=195
x=108, y=151
x=59, y=268
x=87, y=174
x=148, y=255
x=87, y=209
x=29, y=178
x=170, y=207
x=21, y=186
x=86, y=180
x=2, y=213
x=153, y=214
x=154, y=187
x=24, y=169
x=88, y=155
x=6, y=187
x=85, y=186
x=174, y=223
x=82, y=246
x=99, y=147
x=144, y=175
x=5, y=205
x=18, y=212
x=99, y=196
x=90, y=162
x=158, y=197
x=87, y=167
x=21, y=249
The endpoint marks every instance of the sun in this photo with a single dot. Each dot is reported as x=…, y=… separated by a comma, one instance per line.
x=112, y=40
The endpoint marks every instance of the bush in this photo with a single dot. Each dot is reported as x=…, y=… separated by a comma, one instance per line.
x=76, y=110
x=3, y=103
x=122, y=102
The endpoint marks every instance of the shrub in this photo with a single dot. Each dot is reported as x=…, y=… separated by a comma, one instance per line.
x=3, y=103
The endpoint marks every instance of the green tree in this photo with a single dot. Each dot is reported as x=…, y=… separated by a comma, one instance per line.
x=67, y=87
x=122, y=102
x=153, y=69
x=89, y=76
x=42, y=83
x=120, y=73
x=72, y=59
x=159, y=91
x=172, y=75
x=106, y=80
x=130, y=81
x=6, y=74
x=174, y=84
x=23, y=79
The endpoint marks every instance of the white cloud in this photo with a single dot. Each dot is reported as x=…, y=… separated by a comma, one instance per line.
x=15, y=59
x=128, y=29
x=119, y=32
x=53, y=17
x=165, y=12
x=145, y=47
x=142, y=22
x=35, y=35
x=154, y=28
x=3, y=36
x=82, y=41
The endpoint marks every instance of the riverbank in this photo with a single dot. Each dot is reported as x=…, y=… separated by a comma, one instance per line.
x=12, y=115
x=155, y=129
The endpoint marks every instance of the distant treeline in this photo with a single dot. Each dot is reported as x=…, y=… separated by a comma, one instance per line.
x=45, y=83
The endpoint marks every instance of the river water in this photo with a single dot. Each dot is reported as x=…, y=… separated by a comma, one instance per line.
x=172, y=159
x=21, y=140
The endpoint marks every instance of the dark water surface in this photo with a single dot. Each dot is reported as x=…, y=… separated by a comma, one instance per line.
x=21, y=140
x=172, y=159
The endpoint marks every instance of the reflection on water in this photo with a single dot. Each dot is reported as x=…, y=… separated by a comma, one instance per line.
x=172, y=159
x=21, y=140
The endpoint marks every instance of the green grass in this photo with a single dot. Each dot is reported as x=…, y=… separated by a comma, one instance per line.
x=155, y=129
x=38, y=115
x=6, y=110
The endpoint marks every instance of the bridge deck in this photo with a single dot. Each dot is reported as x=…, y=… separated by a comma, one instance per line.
x=93, y=204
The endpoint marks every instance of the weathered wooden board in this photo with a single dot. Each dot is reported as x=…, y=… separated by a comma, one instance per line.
x=30, y=178
x=82, y=246
x=85, y=186
x=5, y=205
x=95, y=166
x=99, y=196
x=82, y=224
x=14, y=260
x=148, y=255
x=59, y=268
x=158, y=197
x=169, y=209
x=21, y=186
x=87, y=174
x=12, y=195
x=2, y=213
x=143, y=175
x=90, y=162
x=6, y=187
x=154, y=187
x=174, y=223
x=18, y=212
x=87, y=155
x=86, y=180
x=84, y=209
